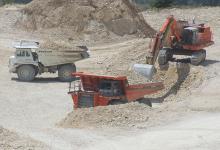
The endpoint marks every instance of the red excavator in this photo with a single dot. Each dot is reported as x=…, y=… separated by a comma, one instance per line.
x=95, y=90
x=176, y=38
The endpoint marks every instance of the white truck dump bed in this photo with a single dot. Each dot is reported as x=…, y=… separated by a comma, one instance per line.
x=55, y=57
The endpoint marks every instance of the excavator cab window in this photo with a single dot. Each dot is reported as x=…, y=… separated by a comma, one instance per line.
x=190, y=35
x=201, y=29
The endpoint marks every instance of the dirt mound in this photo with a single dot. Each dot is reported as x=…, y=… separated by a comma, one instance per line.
x=178, y=81
x=178, y=78
x=11, y=141
x=117, y=59
x=86, y=17
x=112, y=116
x=122, y=63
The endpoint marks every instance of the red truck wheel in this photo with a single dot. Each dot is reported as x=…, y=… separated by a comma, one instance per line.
x=145, y=101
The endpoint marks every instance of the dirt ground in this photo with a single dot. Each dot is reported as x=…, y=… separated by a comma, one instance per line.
x=188, y=118
x=10, y=141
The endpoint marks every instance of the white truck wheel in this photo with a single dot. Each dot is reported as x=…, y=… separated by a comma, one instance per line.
x=65, y=72
x=26, y=73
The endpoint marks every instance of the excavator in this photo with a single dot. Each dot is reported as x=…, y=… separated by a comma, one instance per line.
x=176, y=38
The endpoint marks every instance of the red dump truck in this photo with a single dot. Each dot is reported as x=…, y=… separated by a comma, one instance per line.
x=95, y=90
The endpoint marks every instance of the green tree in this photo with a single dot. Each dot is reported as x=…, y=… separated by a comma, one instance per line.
x=161, y=3
x=8, y=1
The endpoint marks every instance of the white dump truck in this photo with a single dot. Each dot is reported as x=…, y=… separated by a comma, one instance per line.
x=30, y=60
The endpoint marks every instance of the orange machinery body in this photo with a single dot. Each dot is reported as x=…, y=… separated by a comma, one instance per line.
x=204, y=39
x=174, y=29
x=179, y=38
x=92, y=92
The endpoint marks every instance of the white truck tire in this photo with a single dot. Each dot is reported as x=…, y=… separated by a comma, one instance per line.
x=26, y=73
x=65, y=72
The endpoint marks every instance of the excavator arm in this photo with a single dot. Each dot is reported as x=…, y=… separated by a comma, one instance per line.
x=163, y=37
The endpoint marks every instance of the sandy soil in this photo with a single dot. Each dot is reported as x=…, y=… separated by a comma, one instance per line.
x=10, y=141
x=189, y=117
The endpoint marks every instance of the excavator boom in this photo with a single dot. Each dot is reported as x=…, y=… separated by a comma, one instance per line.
x=156, y=43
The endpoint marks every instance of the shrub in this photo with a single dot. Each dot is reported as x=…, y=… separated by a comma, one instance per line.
x=8, y=1
x=161, y=3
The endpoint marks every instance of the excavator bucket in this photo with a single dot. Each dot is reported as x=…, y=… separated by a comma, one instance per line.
x=148, y=70
x=145, y=70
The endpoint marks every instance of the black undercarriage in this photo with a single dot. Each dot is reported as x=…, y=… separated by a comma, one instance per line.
x=194, y=57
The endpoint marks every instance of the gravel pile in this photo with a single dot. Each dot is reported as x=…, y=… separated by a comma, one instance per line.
x=93, y=19
x=124, y=115
x=178, y=79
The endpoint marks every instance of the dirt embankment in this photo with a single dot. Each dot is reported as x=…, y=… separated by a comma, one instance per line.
x=100, y=19
x=11, y=141
x=178, y=80
x=126, y=115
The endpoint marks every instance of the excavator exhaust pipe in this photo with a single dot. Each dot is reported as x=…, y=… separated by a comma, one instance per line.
x=145, y=70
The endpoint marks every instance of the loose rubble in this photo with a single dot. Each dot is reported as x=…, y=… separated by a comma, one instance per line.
x=124, y=115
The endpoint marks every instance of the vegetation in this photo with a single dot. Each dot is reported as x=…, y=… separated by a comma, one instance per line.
x=168, y=3
x=14, y=1
x=161, y=3
x=8, y=1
